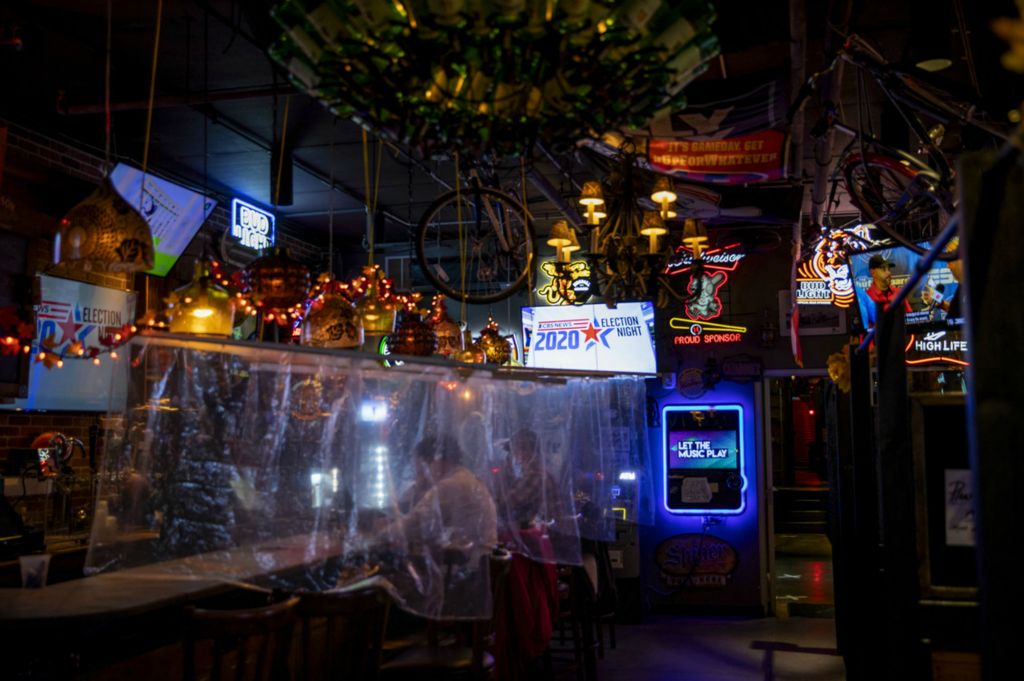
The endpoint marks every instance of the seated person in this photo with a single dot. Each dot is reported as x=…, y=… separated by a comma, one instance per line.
x=467, y=514
x=452, y=514
x=531, y=493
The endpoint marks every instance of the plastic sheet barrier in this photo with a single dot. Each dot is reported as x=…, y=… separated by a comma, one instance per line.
x=284, y=467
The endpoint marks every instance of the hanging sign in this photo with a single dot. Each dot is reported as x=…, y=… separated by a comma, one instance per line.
x=937, y=347
x=699, y=332
x=824, y=278
x=756, y=157
x=722, y=258
x=251, y=227
x=569, y=283
x=708, y=275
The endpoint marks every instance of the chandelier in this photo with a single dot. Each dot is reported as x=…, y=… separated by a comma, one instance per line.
x=630, y=251
x=494, y=76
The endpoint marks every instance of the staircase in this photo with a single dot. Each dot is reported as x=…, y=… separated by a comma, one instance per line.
x=801, y=510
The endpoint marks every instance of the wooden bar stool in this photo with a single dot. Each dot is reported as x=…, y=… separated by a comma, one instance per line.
x=254, y=643
x=466, y=659
x=342, y=634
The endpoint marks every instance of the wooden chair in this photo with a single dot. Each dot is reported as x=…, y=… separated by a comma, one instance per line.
x=467, y=659
x=253, y=642
x=577, y=618
x=342, y=634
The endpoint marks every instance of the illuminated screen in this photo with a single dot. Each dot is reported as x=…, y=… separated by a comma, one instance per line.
x=934, y=302
x=173, y=212
x=702, y=449
x=590, y=337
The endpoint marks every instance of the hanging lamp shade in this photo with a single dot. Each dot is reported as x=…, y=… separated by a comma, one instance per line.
x=104, y=232
x=447, y=332
x=571, y=247
x=332, y=322
x=201, y=307
x=277, y=281
x=695, y=236
x=377, y=307
x=493, y=345
x=413, y=337
x=559, y=236
x=377, y=314
x=592, y=197
x=653, y=227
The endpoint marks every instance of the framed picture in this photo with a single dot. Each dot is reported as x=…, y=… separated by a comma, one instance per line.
x=815, y=320
x=945, y=513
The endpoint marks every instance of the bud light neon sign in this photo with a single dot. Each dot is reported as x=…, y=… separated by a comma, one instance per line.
x=252, y=227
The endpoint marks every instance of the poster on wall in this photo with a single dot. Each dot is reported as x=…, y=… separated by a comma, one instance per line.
x=71, y=311
x=695, y=561
x=591, y=337
x=816, y=320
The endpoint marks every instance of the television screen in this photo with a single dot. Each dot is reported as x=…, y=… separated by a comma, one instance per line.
x=173, y=212
x=590, y=337
x=70, y=311
x=934, y=303
x=702, y=449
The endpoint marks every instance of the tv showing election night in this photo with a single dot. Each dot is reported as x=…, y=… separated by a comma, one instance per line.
x=173, y=212
x=702, y=449
x=590, y=337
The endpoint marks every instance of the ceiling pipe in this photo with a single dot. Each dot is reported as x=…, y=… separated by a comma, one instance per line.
x=234, y=126
x=166, y=102
x=545, y=187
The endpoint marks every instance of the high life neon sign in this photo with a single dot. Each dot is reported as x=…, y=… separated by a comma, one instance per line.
x=252, y=227
x=709, y=273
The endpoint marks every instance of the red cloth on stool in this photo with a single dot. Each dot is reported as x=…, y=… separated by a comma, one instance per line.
x=524, y=621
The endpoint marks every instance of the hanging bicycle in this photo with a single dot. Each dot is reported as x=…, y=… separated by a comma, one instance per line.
x=909, y=196
x=475, y=244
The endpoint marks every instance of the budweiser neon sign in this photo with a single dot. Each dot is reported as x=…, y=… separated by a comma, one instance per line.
x=726, y=258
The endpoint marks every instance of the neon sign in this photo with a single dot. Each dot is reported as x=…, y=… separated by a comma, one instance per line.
x=252, y=227
x=936, y=347
x=724, y=258
x=569, y=282
x=825, y=277
x=703, y=332
x=709, y=273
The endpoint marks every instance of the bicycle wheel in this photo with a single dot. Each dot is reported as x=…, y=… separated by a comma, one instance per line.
x=475, y=245
x=899, y=199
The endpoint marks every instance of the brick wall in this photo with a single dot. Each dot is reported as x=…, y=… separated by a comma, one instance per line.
x=31, y=150
x=20, y=429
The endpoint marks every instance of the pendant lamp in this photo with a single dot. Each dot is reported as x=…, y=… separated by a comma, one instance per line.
x=104, y=232
x=201, y=307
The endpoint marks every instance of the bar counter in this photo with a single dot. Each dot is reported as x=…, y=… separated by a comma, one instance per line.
x=159, y=586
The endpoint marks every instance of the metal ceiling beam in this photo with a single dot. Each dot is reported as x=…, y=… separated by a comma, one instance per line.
x=170, y=101
x=234, y=126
